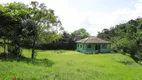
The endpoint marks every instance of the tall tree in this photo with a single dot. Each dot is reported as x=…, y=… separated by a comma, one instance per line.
x=81, y=33
x=45, y=23
x=22, y=22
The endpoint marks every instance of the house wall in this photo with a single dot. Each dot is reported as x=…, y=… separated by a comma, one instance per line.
x=91, y=49
x=105, y=47
x=80, y=47
x=86, y=49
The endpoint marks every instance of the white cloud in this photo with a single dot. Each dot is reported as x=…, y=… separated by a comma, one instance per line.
x=73, y=18
x=139, y=0
x=96, y=21
x=107, y=20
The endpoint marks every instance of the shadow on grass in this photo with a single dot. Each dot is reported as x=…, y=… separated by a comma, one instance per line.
x=126, y=62
x=58, y=51
x=36, y=62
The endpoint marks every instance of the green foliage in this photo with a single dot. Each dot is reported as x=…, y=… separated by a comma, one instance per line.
x=139, y=56
x=70, y=65
x=21, y=23
x=81, y=33
x=66, y=42
x=45, y=24
x=125, y=38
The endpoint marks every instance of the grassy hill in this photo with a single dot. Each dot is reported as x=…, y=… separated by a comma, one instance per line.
x=71, y=65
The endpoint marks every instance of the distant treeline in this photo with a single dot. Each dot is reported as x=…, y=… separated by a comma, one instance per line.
x=67, y=41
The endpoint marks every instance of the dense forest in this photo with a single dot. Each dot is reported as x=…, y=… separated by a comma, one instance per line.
x=125, y=38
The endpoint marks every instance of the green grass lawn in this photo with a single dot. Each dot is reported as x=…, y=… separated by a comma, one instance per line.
x=71, y=65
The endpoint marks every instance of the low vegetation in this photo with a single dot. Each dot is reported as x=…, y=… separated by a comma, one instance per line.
x=70, y=65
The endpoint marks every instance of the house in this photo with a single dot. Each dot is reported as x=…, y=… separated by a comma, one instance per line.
x=93, y=44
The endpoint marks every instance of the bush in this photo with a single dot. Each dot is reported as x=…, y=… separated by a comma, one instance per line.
x=139, y=56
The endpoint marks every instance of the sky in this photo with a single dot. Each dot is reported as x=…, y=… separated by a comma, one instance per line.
x=93, y=15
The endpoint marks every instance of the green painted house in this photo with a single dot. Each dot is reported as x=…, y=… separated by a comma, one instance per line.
x=93, y=44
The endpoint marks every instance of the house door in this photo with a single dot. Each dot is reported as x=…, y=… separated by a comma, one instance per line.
x=97, y=47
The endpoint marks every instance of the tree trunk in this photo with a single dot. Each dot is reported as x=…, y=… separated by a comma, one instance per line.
x=33, y=48
x=132, y=54
x=4, y=40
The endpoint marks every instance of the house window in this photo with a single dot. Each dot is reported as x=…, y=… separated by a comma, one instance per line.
x=96, y=47
x=80, y=46
x=89, y=46
x=77, y=45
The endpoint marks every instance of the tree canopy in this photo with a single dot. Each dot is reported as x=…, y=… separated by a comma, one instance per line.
x=34, y=23
x=125, y=38
x=81, y=33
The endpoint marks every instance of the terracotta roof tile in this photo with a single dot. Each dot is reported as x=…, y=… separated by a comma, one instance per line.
x=92, y=39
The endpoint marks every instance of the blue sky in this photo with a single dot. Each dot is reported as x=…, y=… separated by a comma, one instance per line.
x=102, y=5
x=93, y=15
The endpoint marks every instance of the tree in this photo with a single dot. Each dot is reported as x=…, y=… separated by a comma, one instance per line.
x=44, y=23
x=7, y=24
x=82, y=33
x=18, y=12
x=66, y=41
x=33, y=23
x=125, y=37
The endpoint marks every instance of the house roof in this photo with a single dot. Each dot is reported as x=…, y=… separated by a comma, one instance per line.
x=92, y=39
